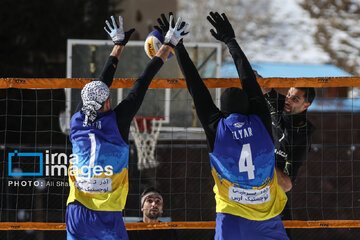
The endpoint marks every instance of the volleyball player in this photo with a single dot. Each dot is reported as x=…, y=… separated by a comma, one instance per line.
x=248, y=197
x=291, y=129
x=99, y=176
x=292, y=134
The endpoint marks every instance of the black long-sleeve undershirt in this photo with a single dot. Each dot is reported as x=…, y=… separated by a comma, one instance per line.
x=108, y=72
x=250, y=85
x=128, y=107
x=209, y=114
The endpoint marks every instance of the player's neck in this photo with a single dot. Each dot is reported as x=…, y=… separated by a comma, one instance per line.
x=296, y=120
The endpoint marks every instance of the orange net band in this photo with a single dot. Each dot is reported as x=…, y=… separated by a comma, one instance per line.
x=179, y=225
x=54, y=83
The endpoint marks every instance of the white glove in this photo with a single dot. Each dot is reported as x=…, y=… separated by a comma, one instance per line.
x=174, y=35
x=116, y=33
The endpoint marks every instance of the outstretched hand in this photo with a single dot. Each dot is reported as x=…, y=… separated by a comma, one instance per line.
x=163, y=27
x=176, y=32
x=224, y=30
x=117, y=34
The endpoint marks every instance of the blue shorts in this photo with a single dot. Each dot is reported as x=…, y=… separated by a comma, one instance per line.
x=86, y=224
x=230, y=227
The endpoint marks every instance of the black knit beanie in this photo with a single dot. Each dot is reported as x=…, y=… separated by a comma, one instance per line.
x=234, y=100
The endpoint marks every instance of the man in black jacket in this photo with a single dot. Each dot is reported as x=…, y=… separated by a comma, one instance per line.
x=291, y=129
x=292, y=134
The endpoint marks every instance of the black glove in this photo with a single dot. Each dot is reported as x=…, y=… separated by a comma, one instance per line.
x=164, y=24
x=225, y=32
x=127, y=37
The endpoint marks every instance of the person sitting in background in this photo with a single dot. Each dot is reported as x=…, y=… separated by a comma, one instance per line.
x=152, y=207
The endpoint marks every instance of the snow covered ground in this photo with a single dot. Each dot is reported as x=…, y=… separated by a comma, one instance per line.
x=267, y=30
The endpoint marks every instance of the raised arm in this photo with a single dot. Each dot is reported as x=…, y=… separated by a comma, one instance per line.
x=205, y=107
x=243, y=67
x=225, y=33
x=127, y=109
x=263, y=89
x=206, y=110
x=120, y=38
x=108, y=72
x=132, y=102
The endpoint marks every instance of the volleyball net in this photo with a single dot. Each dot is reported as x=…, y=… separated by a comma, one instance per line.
x=35, y=152
x=168, y=148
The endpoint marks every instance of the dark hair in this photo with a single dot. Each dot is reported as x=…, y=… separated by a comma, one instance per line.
x=150, y=189
x=309, y=93
x=146, y=191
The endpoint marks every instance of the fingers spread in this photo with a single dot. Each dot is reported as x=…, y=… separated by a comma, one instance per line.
x=184, y=27
x=165, y=21
x=171, y=20
x=214, y=34
x=113, y=22
x=183, y=34
x=218, y=17
x=108, y=24
x=160, y=22
x=225, y=18
x=178, y=22
x=212, y=14
x=120, y=22
x=106, y=30
x=211, y=21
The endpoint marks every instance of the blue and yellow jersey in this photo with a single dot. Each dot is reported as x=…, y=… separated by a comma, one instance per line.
x=243, y=167
x=98, y=171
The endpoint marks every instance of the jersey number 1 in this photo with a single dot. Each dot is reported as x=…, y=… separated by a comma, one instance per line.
x=93, y=150
x=245, y=161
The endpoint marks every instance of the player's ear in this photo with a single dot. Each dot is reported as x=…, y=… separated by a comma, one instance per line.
x=306, y=105
x=108, y=103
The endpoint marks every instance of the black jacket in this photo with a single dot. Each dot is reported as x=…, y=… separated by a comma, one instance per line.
x=292, y=135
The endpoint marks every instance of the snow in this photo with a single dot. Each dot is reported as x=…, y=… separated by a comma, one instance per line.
x=279, y=30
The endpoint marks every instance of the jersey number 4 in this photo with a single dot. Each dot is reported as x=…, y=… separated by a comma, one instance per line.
x=245, y=161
